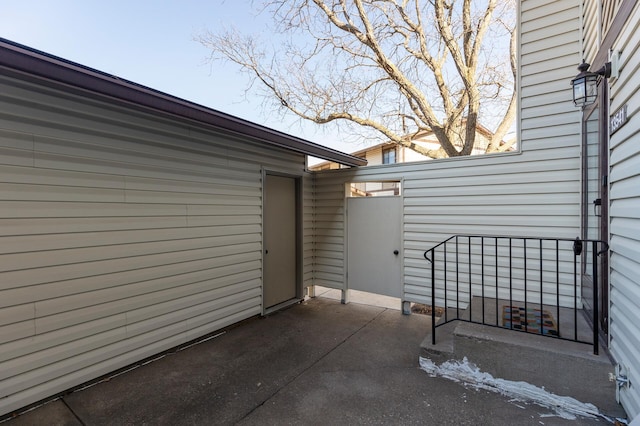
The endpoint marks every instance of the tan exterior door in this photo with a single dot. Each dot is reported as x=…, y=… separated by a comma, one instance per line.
x=280, y=241
x=374, y=255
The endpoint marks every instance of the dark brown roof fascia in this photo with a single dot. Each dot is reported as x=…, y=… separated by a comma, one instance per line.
x=29, y=61
x=624, y=11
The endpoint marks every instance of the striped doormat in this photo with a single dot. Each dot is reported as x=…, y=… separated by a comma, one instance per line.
x=530, y=320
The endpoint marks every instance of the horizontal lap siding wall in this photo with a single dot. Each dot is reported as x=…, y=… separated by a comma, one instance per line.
x=591, y=29
x=329, y=261
x=532, y=193
x=122, y=234
x=624, y=214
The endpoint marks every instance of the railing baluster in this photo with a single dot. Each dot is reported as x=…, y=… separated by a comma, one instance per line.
x=541, y=288
x=457, y=281
x=526, y=308
x=596, y=320
x=496, y=250
x=482, y=273
x=511, y=282
x=558, y=285
x=445, y=284
x=470, y=289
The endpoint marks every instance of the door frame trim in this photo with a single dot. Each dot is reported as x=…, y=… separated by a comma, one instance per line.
x=298, y=179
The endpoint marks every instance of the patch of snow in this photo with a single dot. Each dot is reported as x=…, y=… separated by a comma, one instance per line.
x=468, y=374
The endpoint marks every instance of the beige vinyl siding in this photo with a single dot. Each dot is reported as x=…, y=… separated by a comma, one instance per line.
x=329, y=262
x=591, y=28
x=374, y=156
x=597, y=18
x=609, y=10
x=122, y=234
x=532, y=193
x=624, y=214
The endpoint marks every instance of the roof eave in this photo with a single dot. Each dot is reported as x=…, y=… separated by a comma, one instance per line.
x=29, y=61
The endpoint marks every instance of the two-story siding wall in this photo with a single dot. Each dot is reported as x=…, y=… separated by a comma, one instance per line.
x=122, y=234
x=624, y=213
x=533, y=193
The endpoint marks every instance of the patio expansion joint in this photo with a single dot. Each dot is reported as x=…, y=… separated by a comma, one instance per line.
x=72, y=411
x=310, y=366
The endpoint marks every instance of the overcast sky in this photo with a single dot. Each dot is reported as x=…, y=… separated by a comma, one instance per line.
x=151, y=42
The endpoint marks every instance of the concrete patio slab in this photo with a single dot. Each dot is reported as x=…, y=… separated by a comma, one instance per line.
x=318, y=362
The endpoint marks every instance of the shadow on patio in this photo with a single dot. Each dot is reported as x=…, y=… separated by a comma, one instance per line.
x=318, y=362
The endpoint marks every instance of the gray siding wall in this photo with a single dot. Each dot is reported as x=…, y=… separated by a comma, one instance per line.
x=624, y=214
x=532, y=193
x=122, y=234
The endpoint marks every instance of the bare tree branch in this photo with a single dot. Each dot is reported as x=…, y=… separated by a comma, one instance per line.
x=389, y=67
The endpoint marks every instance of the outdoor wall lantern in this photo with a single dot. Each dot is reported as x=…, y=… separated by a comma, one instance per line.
x=585, y=85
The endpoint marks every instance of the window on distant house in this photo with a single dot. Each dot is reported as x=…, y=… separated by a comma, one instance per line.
x=389, y=155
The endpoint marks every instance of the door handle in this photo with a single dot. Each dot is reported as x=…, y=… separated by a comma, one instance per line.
x=596, y=203
x=396, y=252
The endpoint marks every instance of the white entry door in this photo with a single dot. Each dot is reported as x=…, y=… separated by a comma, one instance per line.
x=280, y=241
x=374, y=253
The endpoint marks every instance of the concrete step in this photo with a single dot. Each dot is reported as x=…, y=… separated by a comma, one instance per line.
x=561, y=367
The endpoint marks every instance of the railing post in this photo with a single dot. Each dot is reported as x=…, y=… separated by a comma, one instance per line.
x=577, y=251
x=433, y=298
x=596, y=322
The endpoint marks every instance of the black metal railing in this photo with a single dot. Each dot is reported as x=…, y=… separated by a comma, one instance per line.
x=531, y=279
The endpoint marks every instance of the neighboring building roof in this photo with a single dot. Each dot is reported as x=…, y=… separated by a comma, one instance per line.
x=420, y=137
x=364, y=151
x=17, y=57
